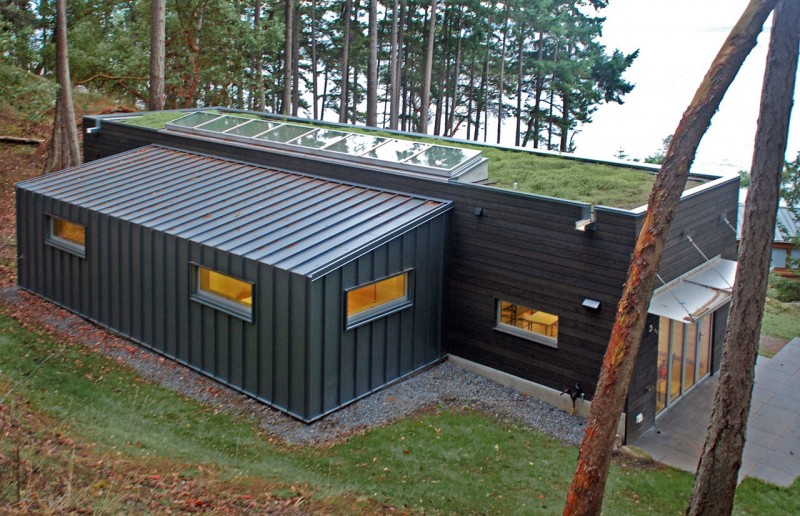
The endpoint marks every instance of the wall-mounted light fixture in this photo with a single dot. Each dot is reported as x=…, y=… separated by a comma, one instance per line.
x=478, y=211
x=591, y=304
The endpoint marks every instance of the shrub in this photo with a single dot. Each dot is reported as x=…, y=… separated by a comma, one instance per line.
x=784, y=289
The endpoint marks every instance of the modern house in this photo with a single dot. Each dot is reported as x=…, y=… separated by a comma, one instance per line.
x=166, y=235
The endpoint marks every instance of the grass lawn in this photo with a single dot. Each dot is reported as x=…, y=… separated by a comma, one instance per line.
x=92, y=428
x=563, y=178
x=781, y=319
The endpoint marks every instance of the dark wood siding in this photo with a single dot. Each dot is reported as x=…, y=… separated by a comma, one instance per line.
x=642, y=390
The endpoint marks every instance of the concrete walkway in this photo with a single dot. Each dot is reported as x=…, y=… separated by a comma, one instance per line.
x=772, y=450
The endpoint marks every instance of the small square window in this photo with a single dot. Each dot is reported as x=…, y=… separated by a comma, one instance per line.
x=377, y=299
x=67, y=236
x=527, y=322
x=223, y=292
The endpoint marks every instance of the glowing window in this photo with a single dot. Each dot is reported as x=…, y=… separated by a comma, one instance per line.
x=528, y=322
x=66, y=235
x=377, y=298
x=224, y=292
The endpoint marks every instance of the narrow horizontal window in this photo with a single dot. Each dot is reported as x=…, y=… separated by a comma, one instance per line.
x=377, y=298
x=528, y=322
x=224, y=292
x=66, y=235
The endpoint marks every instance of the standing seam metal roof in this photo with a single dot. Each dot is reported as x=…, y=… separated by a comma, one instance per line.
x=296, y=222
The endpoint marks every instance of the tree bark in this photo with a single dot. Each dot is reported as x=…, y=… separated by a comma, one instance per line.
x=501, y=82
x=295, y=58
x=64, y=149
x=286, y=103
x=394, y=97
x=261, y=101
x=426, y=80
x=715, y=482
x=345, y=64
x=520, y=70
x=372, y=66
x=157, y=53
x=586, y=491
x=314, y=72
x=537, y=124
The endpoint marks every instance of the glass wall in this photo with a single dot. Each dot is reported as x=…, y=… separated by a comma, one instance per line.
x=684, y=357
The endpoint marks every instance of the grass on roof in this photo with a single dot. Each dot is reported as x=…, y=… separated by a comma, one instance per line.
x=563, y=178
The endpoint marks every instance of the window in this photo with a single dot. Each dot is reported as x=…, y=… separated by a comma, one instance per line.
x=224, y=292
x=684, y=358
x=527, y=322
x=377, y=299
x=66, y=235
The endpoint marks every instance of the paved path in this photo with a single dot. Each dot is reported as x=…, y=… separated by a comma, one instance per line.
x=772, y=451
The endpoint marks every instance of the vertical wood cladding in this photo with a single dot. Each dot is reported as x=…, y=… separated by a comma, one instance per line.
x=522, y=248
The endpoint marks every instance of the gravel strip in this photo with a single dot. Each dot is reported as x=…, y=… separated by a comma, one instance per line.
x=444, y=385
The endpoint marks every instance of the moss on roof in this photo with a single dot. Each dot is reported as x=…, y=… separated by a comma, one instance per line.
x=553, y=176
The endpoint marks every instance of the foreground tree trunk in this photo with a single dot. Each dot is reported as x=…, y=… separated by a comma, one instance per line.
x=64, y=149
x=157, y=52
x=586, y=491
x=715, y=482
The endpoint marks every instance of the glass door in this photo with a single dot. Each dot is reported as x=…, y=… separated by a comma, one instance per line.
x=684, y=357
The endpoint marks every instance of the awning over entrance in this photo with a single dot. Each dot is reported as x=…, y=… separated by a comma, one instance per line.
x=696, y=293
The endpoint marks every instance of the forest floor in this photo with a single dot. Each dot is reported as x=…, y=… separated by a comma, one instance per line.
x=84, y=433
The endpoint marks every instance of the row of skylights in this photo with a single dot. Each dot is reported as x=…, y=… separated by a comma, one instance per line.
x=320, y=141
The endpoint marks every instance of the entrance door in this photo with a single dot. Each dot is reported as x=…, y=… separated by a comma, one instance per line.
x=684, y=357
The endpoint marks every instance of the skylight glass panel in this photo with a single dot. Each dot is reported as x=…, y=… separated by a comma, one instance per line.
x=396, y=150
x=251, y=128
x=319, y=138
x=195, y=119
x=356, y=144
x=223, y=123
x=283, y=133
x=443, y=157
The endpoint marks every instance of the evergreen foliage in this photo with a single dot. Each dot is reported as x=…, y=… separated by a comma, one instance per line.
x=539, y=63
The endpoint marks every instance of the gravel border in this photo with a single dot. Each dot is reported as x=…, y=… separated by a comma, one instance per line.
x=445, y=385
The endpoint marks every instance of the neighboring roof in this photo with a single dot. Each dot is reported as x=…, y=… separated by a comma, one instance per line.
x=296, y=222
x=786, y=226
x=696, y=293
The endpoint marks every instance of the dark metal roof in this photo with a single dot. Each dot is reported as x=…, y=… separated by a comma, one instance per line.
x=296, y=222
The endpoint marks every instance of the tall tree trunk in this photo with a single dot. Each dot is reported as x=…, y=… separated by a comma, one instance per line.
x=314, y=72
x=501, y=81
x=372, y=66
x=286, y=105
x=481, y=101
x=261, y=101
x=470, y=94
x=295, y=58
x=157, y=52
x=715, y=482
x=394, y=66
x=566, y=105
x=586, y=491
x=428, y=71
x=345, y=63
x=537, y=102
x=520, y=76
x=64, y=150
x=449, y=129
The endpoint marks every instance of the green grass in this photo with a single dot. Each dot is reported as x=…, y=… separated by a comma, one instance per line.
x=563, y=178
x=781, y=319
x=438, y=461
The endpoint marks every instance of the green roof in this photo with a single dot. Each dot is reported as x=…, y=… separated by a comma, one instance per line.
x=529, y=172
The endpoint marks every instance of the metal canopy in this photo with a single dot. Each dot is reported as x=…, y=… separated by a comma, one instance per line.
x=303, y=224
x=439, y=161
x=696, y=293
